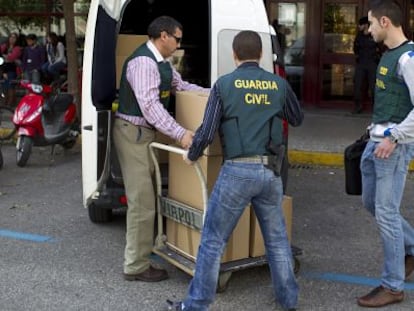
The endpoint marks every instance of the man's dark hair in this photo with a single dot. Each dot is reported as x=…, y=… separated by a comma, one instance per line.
x=247, y=44
x=363, y=21
x=31, y=36
x=163, y=23
x=388, y=8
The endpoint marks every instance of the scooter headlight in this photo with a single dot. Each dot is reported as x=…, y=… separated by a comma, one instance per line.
x=37, y=88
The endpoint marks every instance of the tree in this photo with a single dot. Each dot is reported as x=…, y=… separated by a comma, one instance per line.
x=71, y=50
x=13, y=21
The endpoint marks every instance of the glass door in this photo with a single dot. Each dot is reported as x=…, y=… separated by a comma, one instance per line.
x=289, y=20
x=411, y=20
x=339, y=29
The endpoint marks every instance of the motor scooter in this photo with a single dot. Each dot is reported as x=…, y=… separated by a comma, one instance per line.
x=43, y=117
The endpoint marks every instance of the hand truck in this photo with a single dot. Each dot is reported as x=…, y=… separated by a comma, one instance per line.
x=171, y=253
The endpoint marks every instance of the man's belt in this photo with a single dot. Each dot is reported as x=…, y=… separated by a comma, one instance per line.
x=252, y=159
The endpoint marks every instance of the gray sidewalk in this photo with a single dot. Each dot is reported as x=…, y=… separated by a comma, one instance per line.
x=324, y=134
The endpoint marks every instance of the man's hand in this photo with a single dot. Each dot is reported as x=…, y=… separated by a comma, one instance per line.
x=187, y=139
x=186, y=159
x=384, y=149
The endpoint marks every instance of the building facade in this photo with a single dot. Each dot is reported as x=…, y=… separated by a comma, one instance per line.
x=318, y=47
x=317, y=37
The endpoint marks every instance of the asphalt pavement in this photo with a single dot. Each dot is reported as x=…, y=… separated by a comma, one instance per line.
x=53, y=258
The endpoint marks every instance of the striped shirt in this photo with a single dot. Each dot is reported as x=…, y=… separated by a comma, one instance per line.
x=144, y=78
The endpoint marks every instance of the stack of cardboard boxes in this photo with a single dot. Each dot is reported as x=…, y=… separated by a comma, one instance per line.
x=184, y=186
x=183, y=183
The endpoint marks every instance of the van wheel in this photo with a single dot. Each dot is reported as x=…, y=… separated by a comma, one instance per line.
x=99, y=214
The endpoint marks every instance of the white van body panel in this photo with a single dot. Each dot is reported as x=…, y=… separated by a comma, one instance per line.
x=237, y=15
x=227, y=18
x=89, y=114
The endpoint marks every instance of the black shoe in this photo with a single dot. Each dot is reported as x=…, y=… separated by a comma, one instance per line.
x=174, y=305
x=152, y=274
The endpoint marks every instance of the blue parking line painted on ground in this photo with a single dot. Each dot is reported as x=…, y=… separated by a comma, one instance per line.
x=25, y=236
x=347, y=278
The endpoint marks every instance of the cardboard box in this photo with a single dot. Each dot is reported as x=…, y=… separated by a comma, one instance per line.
x=186, y=240
x=184, y=184
x=189, y=113
x=256, y=239
x=125, y=45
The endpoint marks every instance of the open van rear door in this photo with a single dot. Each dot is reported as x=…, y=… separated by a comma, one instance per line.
x=98, y=88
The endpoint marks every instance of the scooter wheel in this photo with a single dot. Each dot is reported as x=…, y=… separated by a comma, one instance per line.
x=23, y=149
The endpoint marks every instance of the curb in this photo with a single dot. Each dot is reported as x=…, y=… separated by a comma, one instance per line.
x=315, y=158
x=300, y=157
x=304, y=157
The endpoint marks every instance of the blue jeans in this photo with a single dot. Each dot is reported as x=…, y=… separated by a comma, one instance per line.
x=53, y=69
x=236, y=186
x=8, y=84
x=383, y=182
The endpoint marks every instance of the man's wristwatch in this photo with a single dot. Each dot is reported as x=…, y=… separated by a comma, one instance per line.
x=390, y=136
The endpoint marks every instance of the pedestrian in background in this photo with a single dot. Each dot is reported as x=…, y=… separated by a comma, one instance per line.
x=280, y=34
x=56, y=59
x=367, y=55
x=34, y=56
x=251, y=136
x=147, y=81
x=11, y=51
x=386, y=157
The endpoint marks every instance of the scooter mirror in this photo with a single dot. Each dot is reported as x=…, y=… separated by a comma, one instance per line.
x=1, y=60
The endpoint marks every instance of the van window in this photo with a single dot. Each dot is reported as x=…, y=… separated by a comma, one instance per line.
x=225, y=61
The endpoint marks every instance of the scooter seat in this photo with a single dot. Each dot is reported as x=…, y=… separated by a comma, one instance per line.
x=58, y=103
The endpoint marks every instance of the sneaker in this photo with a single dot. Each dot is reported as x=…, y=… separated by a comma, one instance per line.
x=174, y=305
x=379, y=297
x=409, y=265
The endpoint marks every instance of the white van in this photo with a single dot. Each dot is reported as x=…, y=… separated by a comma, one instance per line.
x=115, y=26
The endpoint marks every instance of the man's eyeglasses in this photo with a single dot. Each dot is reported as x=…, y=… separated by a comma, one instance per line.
x=177, y=39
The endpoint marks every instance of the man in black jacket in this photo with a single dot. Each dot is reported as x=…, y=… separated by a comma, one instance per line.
x=367, y=55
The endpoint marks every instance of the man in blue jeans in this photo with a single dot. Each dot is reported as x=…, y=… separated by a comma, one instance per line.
x=385, y=160
x=247, y=107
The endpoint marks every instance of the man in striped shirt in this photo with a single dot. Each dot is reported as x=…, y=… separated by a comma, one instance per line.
x=147, y=81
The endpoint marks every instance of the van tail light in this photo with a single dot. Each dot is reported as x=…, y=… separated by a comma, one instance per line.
x=122, y=199
x=280, y=71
